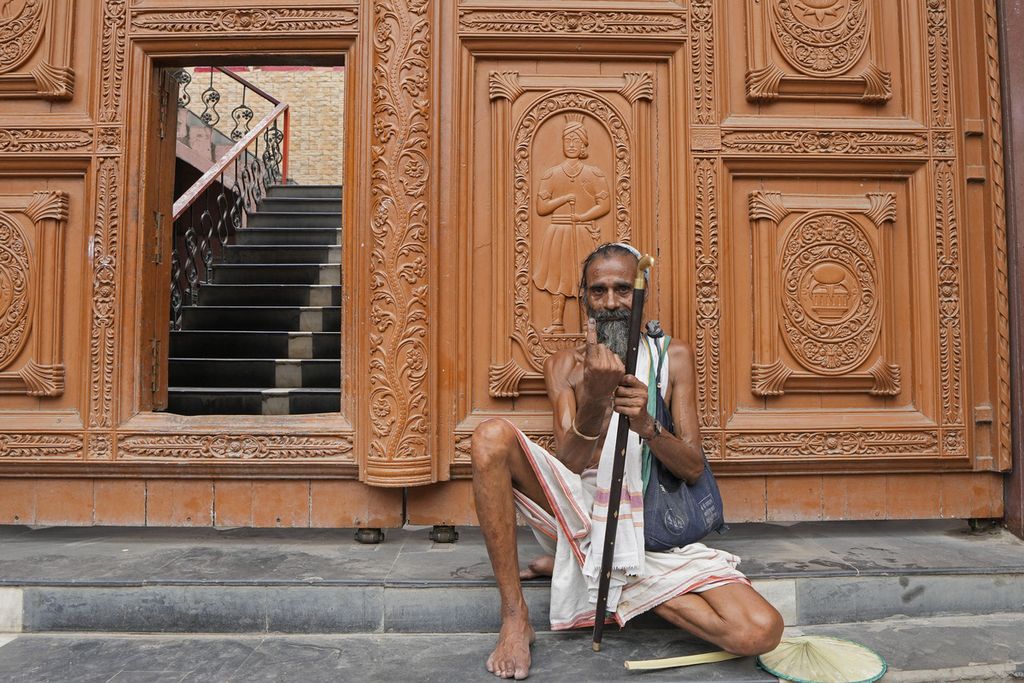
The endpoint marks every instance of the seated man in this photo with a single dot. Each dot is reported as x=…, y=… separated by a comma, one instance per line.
x=694, y=587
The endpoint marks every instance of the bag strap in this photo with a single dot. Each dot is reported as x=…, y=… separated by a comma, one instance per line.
x=653, y=391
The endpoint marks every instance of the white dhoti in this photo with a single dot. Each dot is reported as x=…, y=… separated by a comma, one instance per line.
x=641, y=580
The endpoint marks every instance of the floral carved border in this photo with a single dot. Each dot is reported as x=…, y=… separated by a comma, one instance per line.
x=45, y=140
x=234, y=448
x=245, y=20
x=826, y=142
x=801, y=444
x=104, y=249
x=41, y=302
x=995, y=129
x=400, y=188
x=112, y=60
x=35, y=446
x=573, y=22
x=702, y=62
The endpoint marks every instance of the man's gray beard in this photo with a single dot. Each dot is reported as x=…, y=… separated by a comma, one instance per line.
x=613, y=330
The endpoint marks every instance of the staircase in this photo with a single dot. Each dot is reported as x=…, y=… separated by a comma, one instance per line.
x=264, y=338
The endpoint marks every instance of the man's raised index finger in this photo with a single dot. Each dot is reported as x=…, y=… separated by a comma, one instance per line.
x=591, y=333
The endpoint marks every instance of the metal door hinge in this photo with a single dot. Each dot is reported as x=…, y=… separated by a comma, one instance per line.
x=158, y=219
x=154, y=369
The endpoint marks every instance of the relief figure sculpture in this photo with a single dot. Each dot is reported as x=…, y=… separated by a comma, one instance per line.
x=575, y=195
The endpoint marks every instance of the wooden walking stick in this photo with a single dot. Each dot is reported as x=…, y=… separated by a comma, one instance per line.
x=619, y=463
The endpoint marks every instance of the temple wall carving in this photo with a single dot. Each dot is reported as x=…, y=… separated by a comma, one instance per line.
x=821, y=181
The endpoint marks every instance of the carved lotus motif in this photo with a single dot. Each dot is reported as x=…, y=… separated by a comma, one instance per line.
x=14, y=294
x=829, y=305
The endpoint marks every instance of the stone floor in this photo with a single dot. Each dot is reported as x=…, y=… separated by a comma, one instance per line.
x=917, y=650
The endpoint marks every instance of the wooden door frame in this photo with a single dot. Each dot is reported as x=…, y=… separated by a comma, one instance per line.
x=1011, y=22
x=156, y=443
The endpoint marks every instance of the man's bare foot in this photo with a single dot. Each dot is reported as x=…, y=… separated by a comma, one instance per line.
x=542, y=565
x=511, y=657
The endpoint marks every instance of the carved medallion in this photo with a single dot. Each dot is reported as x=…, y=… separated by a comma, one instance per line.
x=829, y=303
x=820, y=37
x=21, y=25
x=15, y=276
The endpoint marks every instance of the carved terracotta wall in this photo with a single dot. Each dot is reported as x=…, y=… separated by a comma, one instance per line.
x=820, y=179
x=808, y=173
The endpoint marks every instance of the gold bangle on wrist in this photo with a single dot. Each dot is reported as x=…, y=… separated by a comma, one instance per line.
x=580, y=434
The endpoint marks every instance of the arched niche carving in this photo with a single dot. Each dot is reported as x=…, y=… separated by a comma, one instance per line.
x=536, y=160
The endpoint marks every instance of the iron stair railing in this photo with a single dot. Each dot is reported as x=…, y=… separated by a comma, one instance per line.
x=208, y=214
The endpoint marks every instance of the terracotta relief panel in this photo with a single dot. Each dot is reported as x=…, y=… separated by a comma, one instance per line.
x=844, y=318
x=570, y=181
x=821, y=320
x=31, y=301
x=816, y=48
x=35, y=60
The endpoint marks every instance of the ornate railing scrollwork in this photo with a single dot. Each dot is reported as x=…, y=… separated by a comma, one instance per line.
x=209, y=214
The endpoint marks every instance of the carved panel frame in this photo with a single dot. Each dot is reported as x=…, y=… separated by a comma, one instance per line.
x=508, y=377
x=791, y=59
x=862, y=261
x=37, y=59
x=31, y=292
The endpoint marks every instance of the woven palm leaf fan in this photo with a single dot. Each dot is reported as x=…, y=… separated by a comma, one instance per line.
x=820, y=659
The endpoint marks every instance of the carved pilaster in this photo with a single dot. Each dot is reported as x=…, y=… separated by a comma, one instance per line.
x=400, y=190
x=105, y=240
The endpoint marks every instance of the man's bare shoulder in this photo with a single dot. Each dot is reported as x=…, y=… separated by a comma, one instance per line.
x=680, y=355
x=559, y=367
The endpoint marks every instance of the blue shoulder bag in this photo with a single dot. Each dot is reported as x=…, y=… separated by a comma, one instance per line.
x=675, y=513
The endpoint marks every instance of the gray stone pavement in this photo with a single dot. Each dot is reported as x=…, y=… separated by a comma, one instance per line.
x=934, y=650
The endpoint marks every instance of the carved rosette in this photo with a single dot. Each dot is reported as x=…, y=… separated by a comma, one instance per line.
x=400, y=188
x=815, y=42
x=595, y=107
x=245, y=20
x=100, y=447
x=234, y=448
x=827, y=301
x=633, y=24
x=832, y=444
x=31, y=307
x=36, y=140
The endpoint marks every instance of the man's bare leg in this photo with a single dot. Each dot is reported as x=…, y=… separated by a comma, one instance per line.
x=499, y=464
x=735, y=617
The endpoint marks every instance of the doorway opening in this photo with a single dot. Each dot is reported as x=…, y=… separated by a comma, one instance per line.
x=252, y=270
